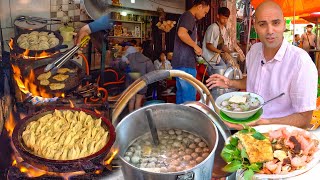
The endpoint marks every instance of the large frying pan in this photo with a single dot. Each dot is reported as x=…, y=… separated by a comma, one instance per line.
x=71, y=83
x=88, y=164
x=96, y=8
x=19, y=50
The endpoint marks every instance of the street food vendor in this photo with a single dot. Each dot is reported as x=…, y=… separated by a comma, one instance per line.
x=216, y=37
x=275, y=66
x=186, y=48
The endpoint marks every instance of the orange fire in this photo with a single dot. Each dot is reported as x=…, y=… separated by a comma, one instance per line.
x=10, y=124
x=28, y=85
x=113, y=152
x=11, y=44
x=71, y=104
x=34, y=172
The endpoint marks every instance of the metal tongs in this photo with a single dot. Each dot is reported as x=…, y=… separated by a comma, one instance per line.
x=31, y=19
x=54, y=66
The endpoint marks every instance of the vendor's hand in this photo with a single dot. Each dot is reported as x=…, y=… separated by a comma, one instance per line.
x=197, y=50
x=217, y=80
x=84, y=31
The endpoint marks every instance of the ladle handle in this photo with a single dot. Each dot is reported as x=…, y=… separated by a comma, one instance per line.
x=152, y=126
x=154, y=76
x=273, y=99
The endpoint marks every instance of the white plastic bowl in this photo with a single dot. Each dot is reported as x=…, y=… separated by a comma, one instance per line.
x=238, y=115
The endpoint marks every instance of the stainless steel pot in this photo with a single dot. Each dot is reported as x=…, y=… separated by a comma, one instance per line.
x=193, y=117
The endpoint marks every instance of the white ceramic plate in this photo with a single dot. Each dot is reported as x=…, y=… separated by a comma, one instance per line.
x=310, y=165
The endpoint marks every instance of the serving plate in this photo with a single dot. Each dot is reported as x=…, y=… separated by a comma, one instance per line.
x=310, y=165
x=255, y=117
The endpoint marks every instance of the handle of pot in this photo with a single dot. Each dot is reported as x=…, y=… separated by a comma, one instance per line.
x=155, y=76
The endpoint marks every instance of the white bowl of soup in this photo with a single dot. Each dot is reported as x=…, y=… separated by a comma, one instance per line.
x=239, y=105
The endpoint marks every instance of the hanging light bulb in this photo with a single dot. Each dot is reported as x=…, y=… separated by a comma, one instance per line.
x=133, y=1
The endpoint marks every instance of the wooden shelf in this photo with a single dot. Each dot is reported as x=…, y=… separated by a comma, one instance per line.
x=136, y=22
x=125, y=37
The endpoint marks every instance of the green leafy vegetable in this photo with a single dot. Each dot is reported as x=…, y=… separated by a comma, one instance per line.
x=233, y=166
x=258, y=135
x=248, y=174
x=234, y=141
x=244, y=153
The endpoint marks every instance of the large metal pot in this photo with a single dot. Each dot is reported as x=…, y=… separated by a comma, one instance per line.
x=193, y=117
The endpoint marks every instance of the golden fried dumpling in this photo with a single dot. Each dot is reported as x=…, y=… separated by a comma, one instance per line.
x=44, y=76
x=44, y=82
x=56, y=86
x=65, y=135
x=60, y=77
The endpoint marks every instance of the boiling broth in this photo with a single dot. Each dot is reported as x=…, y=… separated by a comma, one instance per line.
x=178, y=150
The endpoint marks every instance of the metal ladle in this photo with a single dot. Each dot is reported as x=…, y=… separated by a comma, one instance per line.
x=273, y=99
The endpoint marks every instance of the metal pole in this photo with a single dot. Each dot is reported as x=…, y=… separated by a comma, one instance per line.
x=1, y=40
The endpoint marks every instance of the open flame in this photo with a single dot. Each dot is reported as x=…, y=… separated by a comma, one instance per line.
x=71, y=104
x=11, y=44
x=27, y=85
x=113, y=152
x=10, y=124
x=33, y=172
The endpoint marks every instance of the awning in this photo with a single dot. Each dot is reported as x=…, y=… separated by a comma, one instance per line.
x=294, y=7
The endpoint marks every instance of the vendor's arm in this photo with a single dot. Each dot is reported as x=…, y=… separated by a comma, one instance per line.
x=217, y=80
x=184, y=36
x=102, y=23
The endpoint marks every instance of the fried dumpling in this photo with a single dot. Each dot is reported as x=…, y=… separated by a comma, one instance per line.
x=56, y=86
x=44, y=82
x=44, y=76
x=60, y=77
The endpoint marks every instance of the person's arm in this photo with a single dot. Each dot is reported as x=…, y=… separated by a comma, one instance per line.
x=184, y=36
x=217, y=80
x=211, y=47
x=301, y=120
x=102, y=23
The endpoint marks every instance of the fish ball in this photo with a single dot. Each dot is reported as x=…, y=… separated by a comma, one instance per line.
x=205, y=155
x=189, y=151
x=171, y=132
x=174, y=156
x=176, y=144
x=178, y=131
x=198, y=150
x=224, y=103
x=194, y=155
x=135, y=159
x=192, y=163
x=192, y=146
x=151, y=165
x=129, y=153
x=191, y=136
x=202, y=144
x=206, y=149
x=181, y=153
x=175, y=163
x=199, y=159
x=187, y=157
x=179, y=138
x=127, y=158
x=179, y=168
x=197, y=140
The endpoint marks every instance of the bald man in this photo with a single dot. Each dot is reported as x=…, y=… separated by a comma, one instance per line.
x=275, y=66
